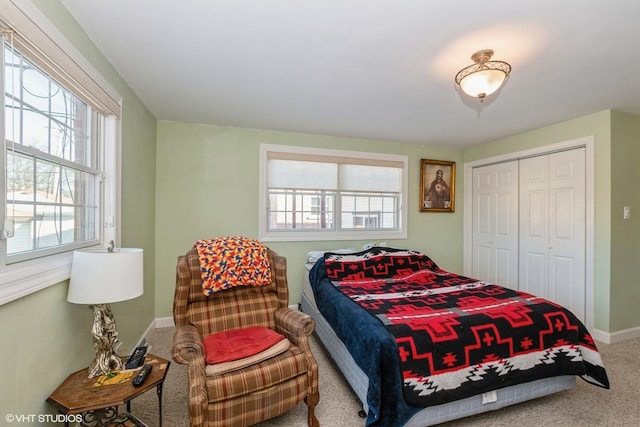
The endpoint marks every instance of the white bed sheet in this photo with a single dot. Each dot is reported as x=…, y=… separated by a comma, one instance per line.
x=435, y=414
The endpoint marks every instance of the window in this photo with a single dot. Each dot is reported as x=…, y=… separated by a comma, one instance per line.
x=319, y=194
x=52, y=175
x=59, y=149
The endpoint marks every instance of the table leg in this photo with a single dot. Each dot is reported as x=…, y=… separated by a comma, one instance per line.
x=159, y=392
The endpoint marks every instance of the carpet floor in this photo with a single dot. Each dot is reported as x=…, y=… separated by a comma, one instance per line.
x=584, y=405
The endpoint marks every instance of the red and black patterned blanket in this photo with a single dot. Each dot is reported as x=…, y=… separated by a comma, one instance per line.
x=457, y=336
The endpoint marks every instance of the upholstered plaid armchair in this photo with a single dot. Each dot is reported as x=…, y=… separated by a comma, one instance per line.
x=257, y=392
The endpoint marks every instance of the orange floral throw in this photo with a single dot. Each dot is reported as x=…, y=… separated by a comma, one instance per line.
x=226, y=262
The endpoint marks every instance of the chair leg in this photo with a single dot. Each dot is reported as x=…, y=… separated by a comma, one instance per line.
x=311, y=401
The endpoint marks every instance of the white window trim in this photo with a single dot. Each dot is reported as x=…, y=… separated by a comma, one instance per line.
x=316, y=235
x=23, y=278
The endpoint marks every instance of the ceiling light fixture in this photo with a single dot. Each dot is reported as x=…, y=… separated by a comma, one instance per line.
x=484, y=77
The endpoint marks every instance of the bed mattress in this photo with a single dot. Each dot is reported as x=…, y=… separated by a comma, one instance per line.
x=435, y=414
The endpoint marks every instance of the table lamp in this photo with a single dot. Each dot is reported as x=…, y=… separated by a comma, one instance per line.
x=99, y=277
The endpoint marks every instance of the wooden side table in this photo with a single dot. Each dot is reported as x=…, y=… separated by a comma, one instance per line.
x=77, y=395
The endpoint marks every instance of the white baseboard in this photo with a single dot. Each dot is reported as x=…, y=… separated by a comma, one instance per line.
x=160, y=322
x=164, y=322
x=147, y=332
x=600, y=336
x=615, y=337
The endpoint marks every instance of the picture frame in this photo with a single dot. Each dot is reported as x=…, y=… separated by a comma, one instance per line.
x=437, y=185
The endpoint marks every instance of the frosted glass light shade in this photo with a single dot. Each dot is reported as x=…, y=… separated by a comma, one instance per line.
x=484, y=77
x=101, y=277
x=482, y=83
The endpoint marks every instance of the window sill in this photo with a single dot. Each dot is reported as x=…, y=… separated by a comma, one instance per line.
x=24, y=278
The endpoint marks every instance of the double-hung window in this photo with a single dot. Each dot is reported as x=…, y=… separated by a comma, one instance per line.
x=321, y=194
x=52, y=175
x=59, y=144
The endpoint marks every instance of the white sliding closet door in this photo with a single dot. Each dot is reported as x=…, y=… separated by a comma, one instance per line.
x=495, y=224
x=552, y=228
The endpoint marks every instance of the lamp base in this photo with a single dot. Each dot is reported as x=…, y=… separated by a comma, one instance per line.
x=105, y=338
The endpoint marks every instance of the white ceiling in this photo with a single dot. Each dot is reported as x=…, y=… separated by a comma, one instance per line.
x=375, y=69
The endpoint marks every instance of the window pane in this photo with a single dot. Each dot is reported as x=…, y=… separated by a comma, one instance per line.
x=47, y=227
x=12, y=62
x=300, y=210
x=34, y=131
x=48, y=182
x=369, y=211
x=35, y=89
x=69, y=132
x=23, y=215
x=19, y=177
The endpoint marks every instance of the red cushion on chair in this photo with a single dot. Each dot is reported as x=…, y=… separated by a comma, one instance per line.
x=239, y=343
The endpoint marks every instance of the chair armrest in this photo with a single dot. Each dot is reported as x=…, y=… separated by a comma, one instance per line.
x=187, y=345
x=295, y=325
x=188, y=350
x=298, y=327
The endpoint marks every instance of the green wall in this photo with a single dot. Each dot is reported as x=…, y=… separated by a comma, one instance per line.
x=625, y=234
x=207, y=186
x=44, y=338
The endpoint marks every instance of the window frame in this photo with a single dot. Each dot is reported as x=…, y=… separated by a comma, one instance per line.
x=289, y=235
x=37, y=36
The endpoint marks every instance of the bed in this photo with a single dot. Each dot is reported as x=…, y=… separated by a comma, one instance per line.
x=420, y=346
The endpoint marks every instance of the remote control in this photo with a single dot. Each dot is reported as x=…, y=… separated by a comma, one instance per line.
x=142, y=375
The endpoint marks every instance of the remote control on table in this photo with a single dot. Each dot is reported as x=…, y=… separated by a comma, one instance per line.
x=142, y=375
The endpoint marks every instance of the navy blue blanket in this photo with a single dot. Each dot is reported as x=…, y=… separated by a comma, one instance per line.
x=373, y=349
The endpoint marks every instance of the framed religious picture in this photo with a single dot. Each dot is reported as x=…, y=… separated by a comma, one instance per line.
x=437, y=185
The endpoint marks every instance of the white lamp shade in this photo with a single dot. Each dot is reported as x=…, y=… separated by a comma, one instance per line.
x=482, y=82
x=101, y=277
